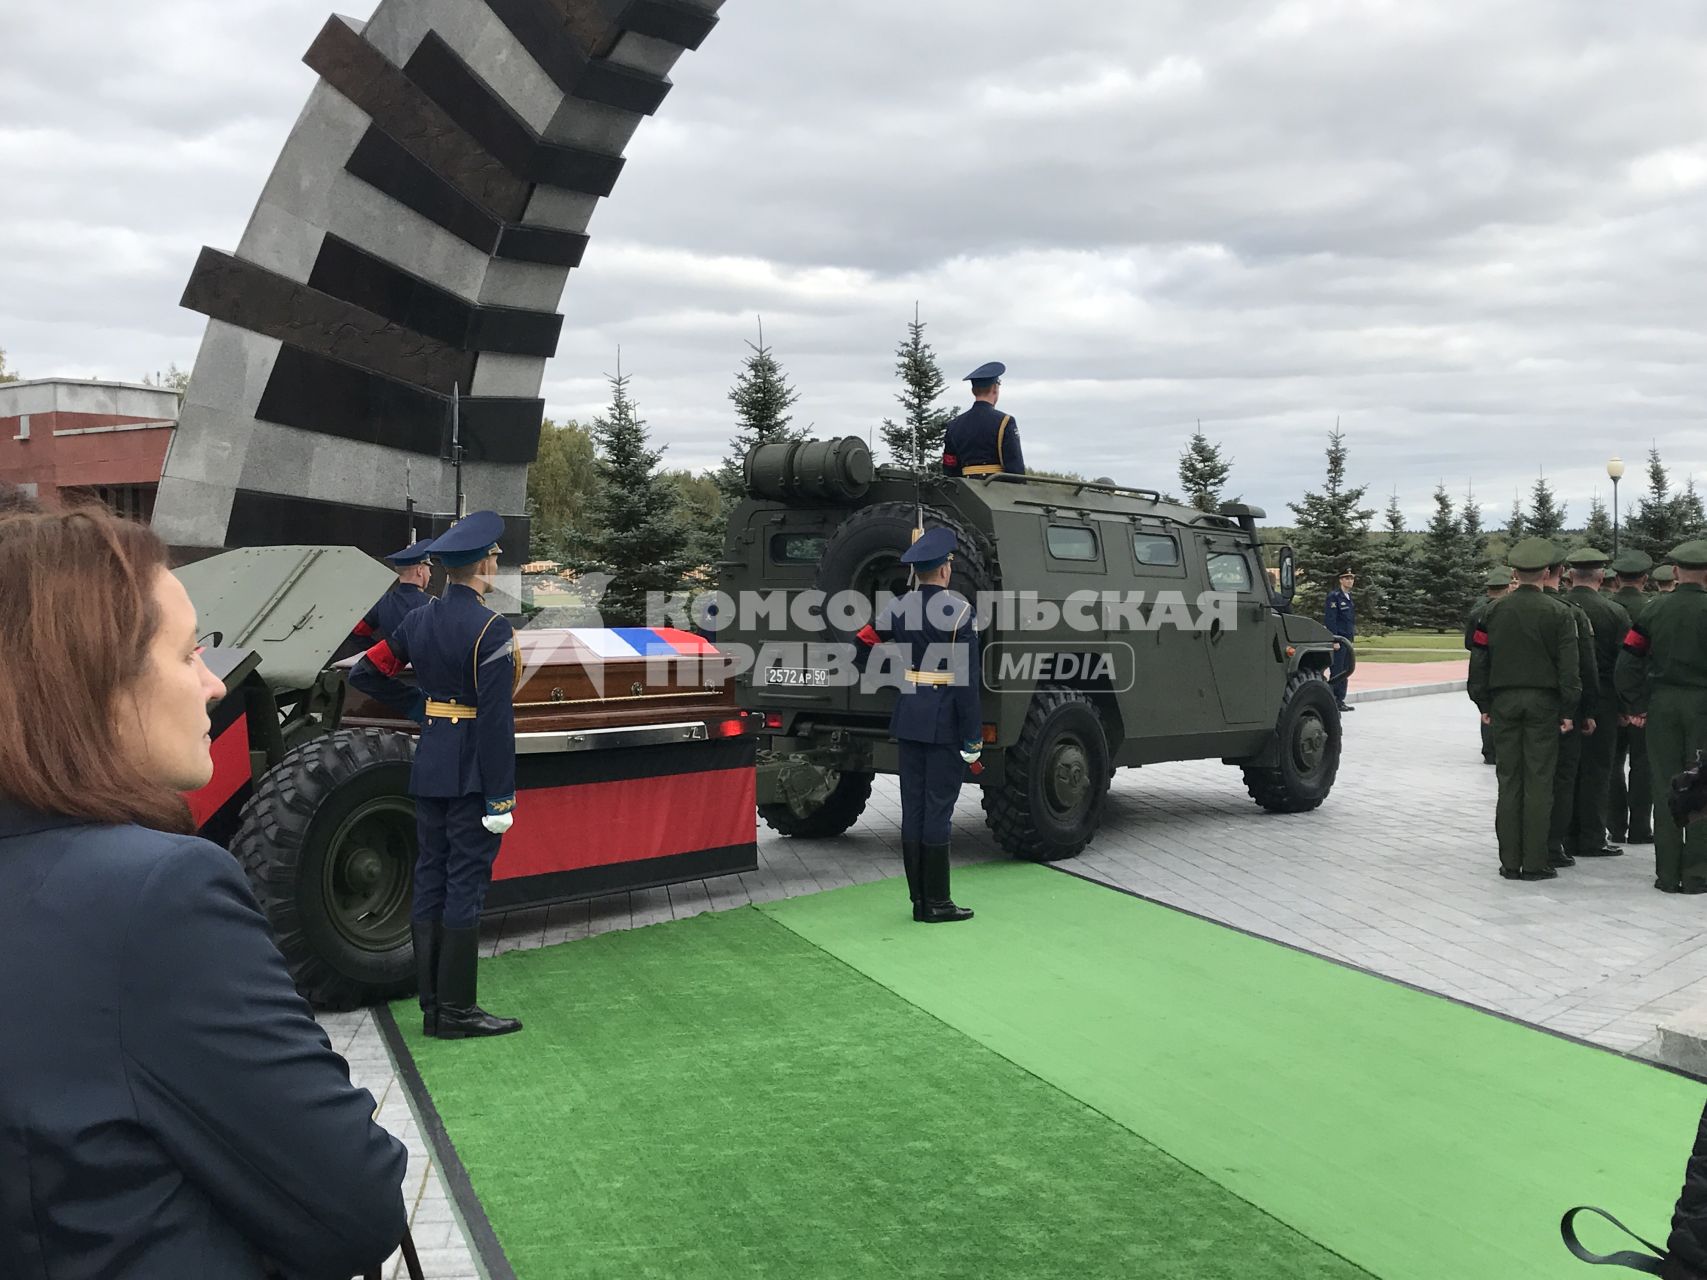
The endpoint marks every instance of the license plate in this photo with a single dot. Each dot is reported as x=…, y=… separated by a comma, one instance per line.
x=799, y=677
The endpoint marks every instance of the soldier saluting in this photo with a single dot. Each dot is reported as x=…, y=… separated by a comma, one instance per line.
x=1525, y=680
x=464, y=776
x=1662, y=687
x=983, y=440
x=936, y=720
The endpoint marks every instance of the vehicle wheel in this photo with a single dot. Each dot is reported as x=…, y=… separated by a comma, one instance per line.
x=839, y=811
x=1054, y=779
x=1308, y=734
x=328, y=842
x=864, y=553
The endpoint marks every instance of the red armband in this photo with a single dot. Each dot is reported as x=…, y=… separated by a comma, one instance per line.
x=1479, y=638
x=949, y=460
x=364, y=629
x=1637, y=643
x=384, y=661
x=868, y=636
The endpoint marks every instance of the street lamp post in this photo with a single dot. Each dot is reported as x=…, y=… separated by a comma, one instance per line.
x=1615, y=472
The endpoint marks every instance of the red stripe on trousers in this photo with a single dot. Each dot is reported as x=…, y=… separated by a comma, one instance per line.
x=598, y=824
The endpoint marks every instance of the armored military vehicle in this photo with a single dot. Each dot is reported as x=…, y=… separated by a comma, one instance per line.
x=1118, y=629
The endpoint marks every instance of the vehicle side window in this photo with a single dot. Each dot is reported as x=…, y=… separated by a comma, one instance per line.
x=1072, y=542
x=1155, y=549
x=798, y=548
x=1229, y=571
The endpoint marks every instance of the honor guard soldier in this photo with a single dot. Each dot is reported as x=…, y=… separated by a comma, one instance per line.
x=1629, y=805
x=1339, y=615
x=1526, y=681
x=464, y=776
x=1662, y=686
x=982, y=441
x=1582, y=717
x=1497, y=584
x=936, y=720
x=405, y=596
x=1585, y=833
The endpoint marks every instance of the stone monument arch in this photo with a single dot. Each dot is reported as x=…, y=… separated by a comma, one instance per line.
x=411, y=245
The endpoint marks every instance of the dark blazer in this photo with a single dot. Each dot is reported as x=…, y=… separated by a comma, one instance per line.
x=168, y=1105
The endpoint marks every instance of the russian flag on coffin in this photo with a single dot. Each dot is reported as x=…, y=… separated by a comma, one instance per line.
x=641, y=642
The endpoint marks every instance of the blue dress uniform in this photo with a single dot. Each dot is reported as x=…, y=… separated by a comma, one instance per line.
x=399, y=601
x=1340, y=617
x=936, y=720
x=983, y=440
x=464, y=776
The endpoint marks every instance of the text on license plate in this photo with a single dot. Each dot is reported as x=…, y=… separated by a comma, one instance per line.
x=797, y=675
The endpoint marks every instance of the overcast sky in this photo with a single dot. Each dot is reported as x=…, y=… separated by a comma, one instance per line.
x=1473, y=232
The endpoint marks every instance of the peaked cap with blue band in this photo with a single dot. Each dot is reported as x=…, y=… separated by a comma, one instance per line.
x=991, y=372
x=414, y=553
x=931, y=550
x=469, y=541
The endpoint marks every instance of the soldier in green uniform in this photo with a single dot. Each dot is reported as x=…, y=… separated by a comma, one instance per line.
x=1497, y=584
x=1571, y=743
x=1525, y=678
x=1664, y=579
x=1662, y=686
x=1629, y=805
x=1585, y=832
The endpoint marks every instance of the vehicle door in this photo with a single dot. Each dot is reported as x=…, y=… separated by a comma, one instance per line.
x=1240, y=641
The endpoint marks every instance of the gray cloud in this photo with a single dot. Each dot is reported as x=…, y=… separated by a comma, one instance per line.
x=1472, y=232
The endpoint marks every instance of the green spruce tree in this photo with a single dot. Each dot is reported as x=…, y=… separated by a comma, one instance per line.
x=8, y=374
x=917, y=438
x=1445, y=567
x=638, y=535
x=1652, y=527
x=762, y=398
x=1516, y=524
x=1546, y=515
x=1203, y=472
x=1597, y=533
x=1689, y=520
x=1332, y=530
x=1475, y=537
x=1396, y=600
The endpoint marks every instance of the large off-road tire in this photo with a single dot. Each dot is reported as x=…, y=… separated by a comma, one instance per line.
x=840, y=810
x=328, y=842
x=1054, y=779
x=1308, y=740
x=864, y=553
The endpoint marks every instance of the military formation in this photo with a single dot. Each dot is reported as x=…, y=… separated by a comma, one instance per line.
x=1586, y=695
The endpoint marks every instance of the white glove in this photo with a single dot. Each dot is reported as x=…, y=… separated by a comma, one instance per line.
x=971, y=757
x=498, y=823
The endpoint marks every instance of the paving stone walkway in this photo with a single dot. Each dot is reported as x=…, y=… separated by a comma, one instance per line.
x=1396, y=874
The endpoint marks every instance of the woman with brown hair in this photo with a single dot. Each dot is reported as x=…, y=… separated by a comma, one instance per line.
x=168, y=1105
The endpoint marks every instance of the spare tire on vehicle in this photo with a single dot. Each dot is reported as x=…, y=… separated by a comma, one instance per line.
x=864, y=554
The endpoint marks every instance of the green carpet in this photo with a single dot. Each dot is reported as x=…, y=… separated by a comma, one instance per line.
x=1420, y=1139
x=718, y=1097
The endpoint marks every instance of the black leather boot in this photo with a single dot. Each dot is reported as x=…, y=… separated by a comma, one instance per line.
x=426, y=935
x=460, y=1018
x=912, y=858
x=938, y=907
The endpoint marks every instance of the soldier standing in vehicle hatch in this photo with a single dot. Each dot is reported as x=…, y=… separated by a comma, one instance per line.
x=464, y=775
x=983, y=441
x=937, y=719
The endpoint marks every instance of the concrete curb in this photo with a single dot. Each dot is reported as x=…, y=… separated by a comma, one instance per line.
x=1682, y=1041
x=1406, y=691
